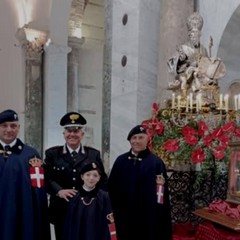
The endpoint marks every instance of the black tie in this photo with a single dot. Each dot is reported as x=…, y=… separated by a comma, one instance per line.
x=7, y=151
x=74, y=154
x=7, y=148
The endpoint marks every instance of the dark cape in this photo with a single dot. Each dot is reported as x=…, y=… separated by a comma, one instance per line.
x=23, y=208
x=132, y=190
x=86, y=218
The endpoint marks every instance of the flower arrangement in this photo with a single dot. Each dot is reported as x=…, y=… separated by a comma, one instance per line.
x=195, y=143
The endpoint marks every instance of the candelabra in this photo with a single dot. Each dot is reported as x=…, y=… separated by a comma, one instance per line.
x=212, y=108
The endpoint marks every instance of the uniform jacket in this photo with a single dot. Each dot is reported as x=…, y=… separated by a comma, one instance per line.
x=132, y=190
x=23, y=208
x=86, y=217
x=62, y=171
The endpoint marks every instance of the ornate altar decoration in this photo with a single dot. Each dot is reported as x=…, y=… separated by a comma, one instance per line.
x=192, y=132
x=196, y=124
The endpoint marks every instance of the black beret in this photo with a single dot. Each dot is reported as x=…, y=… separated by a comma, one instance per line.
x=136, y=130
x=89, y=166
x=73, y=120
x=8, y=116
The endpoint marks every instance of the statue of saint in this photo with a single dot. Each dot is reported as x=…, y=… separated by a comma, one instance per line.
x=191, y=65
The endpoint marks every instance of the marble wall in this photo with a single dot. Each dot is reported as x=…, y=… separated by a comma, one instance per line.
x=133, y=67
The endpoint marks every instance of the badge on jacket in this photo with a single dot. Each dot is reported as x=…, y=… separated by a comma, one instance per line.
x=36, y=172
x=111, y=226
x=160, y=180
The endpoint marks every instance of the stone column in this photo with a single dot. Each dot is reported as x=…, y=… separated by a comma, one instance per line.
x=130, y=69
x=173, y=32
x=55, y=92
x=73, y=74
x=33, y=50
x=107, y=71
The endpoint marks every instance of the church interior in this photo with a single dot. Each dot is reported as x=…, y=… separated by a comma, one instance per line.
x=119, y=63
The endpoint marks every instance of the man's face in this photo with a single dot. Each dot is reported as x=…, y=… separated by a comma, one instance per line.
x=9, y=131
x=139, y=142
x=73, y=137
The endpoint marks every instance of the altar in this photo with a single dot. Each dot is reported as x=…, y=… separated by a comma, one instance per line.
x=191, y=134
x=215, y=214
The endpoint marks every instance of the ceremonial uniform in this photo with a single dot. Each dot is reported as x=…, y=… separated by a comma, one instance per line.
x=62, y=169
x=23, y=199
x=140, y=202
x=88, y=213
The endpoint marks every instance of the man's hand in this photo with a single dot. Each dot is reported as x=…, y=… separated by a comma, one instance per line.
x=67, y=193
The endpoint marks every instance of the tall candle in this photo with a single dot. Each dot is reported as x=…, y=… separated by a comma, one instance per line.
x=220, y=101
x=191, y=101
x=197, y=103
x=173, y=100
x=236, y=102
x=178, y=101
x=226, y=97
x=200, y=101
x=187, y=103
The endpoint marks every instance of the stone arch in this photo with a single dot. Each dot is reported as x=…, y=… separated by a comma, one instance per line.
x=229, y=52
x=58, y=22
x=234, y=89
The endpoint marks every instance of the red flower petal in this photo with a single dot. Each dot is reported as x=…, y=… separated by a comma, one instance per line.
x=218, y=152
x=191, y=139
x=217, y=132
x=188, y=131
x=229, y=127
x=198, y=155
x=171, y=145
x=202, y=128
x=208, y=140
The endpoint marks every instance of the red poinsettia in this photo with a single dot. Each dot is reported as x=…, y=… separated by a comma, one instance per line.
x=218, y=152
x=171, y=145
x=198, y=155
x=196, y=141
x=208, y=140
x=229, y=127
x=202, y=128
x=187, y=130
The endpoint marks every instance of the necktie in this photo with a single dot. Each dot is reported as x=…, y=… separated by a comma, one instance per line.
x=74, y=154
x=7, y=148
x=7, y=151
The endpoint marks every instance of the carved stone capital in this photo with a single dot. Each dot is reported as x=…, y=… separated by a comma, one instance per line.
x=32, y=41
x=75, y=42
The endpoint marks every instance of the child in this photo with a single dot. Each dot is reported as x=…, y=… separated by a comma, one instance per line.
x=88, y=212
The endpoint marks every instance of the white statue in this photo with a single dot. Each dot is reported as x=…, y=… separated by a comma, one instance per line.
x=191, y=65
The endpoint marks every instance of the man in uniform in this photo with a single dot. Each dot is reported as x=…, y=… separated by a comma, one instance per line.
x=63, y=166
x=23, y=199
x=139, y=193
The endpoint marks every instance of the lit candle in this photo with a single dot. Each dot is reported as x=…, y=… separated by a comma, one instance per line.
x=178, y=101
x=197, y=103
x=173, y=100
x=236, y=102
x=191, y=101
x=187, y=103
x=226, y=97
x=220, y=101
x=200, y=101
